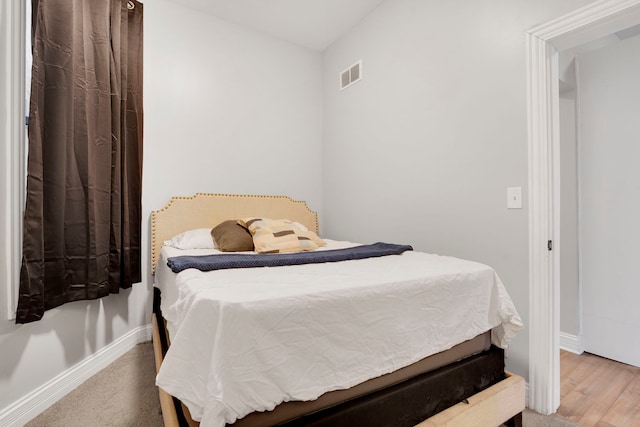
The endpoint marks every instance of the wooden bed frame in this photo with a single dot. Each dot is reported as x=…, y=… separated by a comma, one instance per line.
x=500, y=403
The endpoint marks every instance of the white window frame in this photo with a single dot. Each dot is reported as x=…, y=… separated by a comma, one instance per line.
x=12, y=113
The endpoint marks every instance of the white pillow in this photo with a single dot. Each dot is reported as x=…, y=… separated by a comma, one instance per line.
x=199, y=238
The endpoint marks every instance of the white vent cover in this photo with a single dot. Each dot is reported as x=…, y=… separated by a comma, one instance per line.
x=629, y=32
x=351, y=75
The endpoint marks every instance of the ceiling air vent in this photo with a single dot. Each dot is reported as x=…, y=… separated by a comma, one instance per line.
x=351, y=75
x=629, y=32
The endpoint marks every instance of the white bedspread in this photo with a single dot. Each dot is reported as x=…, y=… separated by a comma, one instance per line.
x=246, y=340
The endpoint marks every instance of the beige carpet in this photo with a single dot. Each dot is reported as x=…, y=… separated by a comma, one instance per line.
x=124, y=395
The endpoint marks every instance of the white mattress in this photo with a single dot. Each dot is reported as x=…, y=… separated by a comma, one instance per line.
x=245, y=340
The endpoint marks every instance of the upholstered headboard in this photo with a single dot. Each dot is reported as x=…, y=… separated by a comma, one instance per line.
x=208, y=210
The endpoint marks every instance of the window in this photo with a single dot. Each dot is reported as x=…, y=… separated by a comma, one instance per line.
x=13, y=50
x=82, y=217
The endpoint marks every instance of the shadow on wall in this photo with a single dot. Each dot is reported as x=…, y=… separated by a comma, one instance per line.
x=79, y=328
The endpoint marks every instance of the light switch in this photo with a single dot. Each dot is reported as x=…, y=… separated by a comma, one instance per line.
x=514, y=198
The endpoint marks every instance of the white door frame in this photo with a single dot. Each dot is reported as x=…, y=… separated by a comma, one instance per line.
x=543, y=43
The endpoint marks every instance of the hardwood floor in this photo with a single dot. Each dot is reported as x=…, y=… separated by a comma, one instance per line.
x=598, y=392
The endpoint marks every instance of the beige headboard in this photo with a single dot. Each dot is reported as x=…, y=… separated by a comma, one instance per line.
x=208, y=210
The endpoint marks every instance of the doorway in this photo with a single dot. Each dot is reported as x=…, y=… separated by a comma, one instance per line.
x=609, y=98
x=543, y=44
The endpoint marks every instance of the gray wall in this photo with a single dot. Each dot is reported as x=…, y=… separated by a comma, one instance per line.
x=595, y=69
x=569, y=290
x=422, y=150
x=609, y=108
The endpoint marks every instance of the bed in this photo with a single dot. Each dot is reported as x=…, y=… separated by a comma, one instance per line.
x=409, y=339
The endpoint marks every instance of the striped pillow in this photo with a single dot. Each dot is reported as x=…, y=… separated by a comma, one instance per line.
x=280, y=236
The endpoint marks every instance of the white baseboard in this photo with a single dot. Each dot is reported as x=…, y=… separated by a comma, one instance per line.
x=571, y=343
x=34, y=403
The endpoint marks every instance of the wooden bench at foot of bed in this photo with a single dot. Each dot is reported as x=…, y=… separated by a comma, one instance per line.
x=501, y=403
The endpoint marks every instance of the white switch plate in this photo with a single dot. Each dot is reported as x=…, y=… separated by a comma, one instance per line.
x=514, y=198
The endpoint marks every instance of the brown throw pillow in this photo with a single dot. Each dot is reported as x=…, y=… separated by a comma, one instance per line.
x=228, y=236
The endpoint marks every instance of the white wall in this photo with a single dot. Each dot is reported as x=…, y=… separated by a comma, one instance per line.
x=226, y=110
x=422, y=150
x=570, y=296
x=569, y=290
x=609, y=89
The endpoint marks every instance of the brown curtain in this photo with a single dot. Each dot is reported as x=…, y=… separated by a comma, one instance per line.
x=82, y=217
